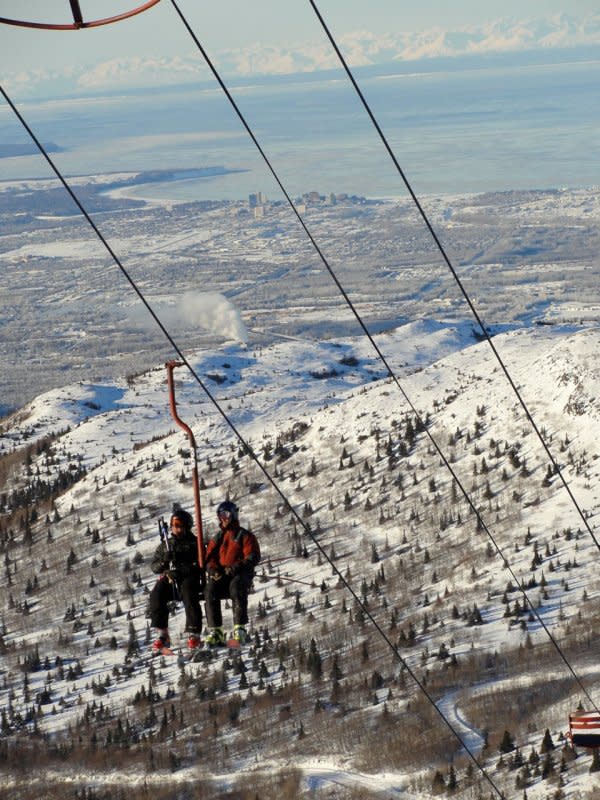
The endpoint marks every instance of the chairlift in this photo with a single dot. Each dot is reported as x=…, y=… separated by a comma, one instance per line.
x=584, y=729
x=78, y=21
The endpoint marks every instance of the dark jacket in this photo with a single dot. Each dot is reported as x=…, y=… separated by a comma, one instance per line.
x=233, y=548
x=183, y=559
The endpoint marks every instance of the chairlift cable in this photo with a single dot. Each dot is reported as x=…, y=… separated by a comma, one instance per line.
x=248, y=449
x=324, y=260
x=470, y=303
x=393, y=376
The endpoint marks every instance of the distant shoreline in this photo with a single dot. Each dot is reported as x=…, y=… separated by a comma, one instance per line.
x=8, y=150
x=101, y=190
x=126, y=189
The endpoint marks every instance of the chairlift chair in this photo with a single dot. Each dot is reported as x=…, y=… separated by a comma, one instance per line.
x=78, y=21
x=584, y=729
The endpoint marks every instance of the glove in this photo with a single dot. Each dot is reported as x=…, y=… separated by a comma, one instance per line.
x=233, y=570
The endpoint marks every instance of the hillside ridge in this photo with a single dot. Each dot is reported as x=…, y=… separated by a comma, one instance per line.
x=87, y=470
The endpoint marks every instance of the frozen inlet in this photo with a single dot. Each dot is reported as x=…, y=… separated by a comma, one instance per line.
x=584, y=729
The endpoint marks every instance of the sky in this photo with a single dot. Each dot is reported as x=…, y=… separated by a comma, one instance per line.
x=236, y=22
x=263, y=36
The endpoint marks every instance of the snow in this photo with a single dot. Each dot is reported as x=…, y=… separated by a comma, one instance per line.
x=389, y=785
x=332, y=393
x=449, y=707
x=74, y=180
x=264, y=392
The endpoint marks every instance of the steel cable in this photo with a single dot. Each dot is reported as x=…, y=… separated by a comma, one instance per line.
x=430, y=228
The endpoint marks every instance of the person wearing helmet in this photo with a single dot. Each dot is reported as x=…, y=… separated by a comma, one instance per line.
x=231, y=558
x=176, y=562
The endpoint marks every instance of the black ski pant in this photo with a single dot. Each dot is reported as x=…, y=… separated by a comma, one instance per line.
x=236, y=588
x=164, y=593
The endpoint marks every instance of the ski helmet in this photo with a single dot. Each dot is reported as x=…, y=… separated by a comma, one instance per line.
x=184, y=516
x=228, y=507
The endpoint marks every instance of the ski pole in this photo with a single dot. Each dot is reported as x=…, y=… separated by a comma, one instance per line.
x=282, y=578
x=280, y=558
x=163, y=532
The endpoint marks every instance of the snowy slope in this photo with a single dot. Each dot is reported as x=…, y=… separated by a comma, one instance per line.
x=389, y=520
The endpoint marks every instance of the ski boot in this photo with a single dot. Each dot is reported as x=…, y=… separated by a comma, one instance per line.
x=238, y=637
x=162, y=644
x=215, y=638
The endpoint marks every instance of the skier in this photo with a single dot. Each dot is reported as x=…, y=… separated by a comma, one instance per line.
x=231, y=557
x=176, y=561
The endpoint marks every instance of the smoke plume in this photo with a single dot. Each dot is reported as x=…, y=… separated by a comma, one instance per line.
x=209, y=310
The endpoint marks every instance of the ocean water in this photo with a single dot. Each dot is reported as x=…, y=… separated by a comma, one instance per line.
x=499, y=128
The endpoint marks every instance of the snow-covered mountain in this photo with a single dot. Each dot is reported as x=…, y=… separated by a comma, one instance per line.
x=549, y=34
x=366, y=525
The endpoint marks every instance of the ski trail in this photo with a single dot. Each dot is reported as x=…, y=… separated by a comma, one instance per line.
x=388, y=786
x=470, y=735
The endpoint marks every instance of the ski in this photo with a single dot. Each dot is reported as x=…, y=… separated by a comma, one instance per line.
x=183, y=657
x=215, y=649
x=164, y=651
x=235, y=644
x=201, y=655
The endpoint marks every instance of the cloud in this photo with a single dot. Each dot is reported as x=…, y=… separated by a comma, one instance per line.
x=141, y=72
x=214, y=312
x=361, y=48
x=210, y=311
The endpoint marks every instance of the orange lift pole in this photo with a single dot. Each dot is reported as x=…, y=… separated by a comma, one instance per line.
x=170, y=365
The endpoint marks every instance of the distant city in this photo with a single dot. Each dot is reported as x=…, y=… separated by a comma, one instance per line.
x=68, y=318
x=258, y=201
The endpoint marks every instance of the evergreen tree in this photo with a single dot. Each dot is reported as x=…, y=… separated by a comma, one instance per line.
x=452, y=782
x=507, y=745
x=547, y=743
x=336, y=671
x=547, y=766
x=438, y=784
x=314, y=661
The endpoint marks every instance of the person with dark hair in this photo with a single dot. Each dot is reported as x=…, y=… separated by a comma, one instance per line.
x=180, y=577
x=231, y=558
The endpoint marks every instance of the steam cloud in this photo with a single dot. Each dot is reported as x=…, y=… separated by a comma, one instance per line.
x=214, y=312
x=209, y=310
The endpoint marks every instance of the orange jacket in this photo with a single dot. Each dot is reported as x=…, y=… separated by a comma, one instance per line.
x=232, y=547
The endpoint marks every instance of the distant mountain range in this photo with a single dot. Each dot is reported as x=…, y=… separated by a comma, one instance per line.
x=363, y=48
